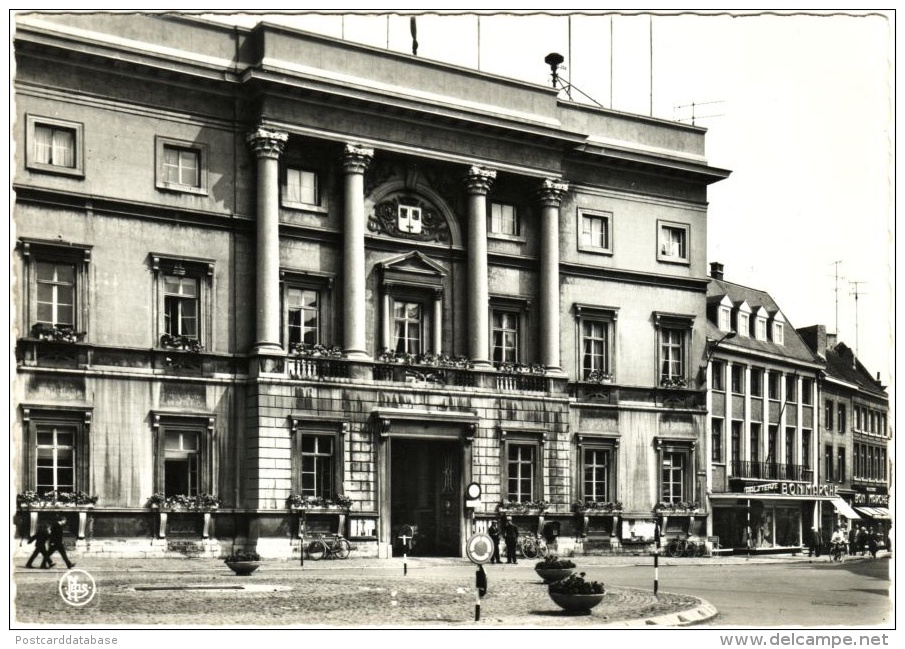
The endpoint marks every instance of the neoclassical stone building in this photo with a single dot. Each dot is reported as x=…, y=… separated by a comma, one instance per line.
x=258, y=268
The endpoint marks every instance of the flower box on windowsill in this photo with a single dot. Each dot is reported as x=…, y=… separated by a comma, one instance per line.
x=183, y=503
x=533, y=508
x=31, y=500
x=590, y=508
x=315, y=504
x=57, y=333
x=181, y=343
x=677, y=509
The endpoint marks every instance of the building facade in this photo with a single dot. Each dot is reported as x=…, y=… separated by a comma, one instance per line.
x=273, y=284
x=854, y=434
x=764, y=421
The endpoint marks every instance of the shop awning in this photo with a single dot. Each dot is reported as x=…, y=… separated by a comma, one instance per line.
x=843, y=508
x=879, y=513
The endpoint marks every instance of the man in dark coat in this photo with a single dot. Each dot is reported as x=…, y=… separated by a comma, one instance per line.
x=510, y=534
x=40, y=538
x=494, y=532
x=56, y=541
x=853, y=540
x=814, y=543
x=862, y=540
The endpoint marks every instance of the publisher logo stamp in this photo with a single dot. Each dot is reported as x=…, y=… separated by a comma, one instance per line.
x=77, y=587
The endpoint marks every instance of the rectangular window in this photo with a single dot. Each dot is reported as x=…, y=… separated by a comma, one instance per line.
x=716, y=440
x=724, y=319
x=407, y=327
x=772, y=438
x=738, y=379
x=757, y=382
x=303, y=314
x=790, y=446
x=736, y=444
x=717, y=376
x=317, y=466
x=754, y=443
x=596, y=464
x=760, y=328
x=505, y=334
x=673, y=242
x=182, y=462
x=773, y=386
x=673, y=476
x=54, y=146
x=828, y=410
x=55, y=458
x=595, y=344
x=828, y=462
x=840, y=419
x=184, y=450
x=55, y=293
x=181, y=306
x=777, y=333
x=791, y=389
x=672, y=355
x=594, y=233
x=807, y=392
x=504, y=219
x=744, y=324
x=857, y=413
x=521, y=459
x=806, y=448
x=56, y=449
x=302, y=187
x=840, y=474
x=181, y=166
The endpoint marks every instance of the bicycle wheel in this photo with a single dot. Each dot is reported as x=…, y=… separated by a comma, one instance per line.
x=342, y=548
x=317, y=550
x=529, y=549
x=675, y=548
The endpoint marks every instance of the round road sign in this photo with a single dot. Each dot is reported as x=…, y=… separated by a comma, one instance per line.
x=479, y=548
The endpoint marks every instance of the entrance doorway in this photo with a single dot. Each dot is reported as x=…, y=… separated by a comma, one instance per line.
x=425, y=495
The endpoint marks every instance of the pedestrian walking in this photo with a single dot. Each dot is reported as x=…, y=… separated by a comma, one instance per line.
x=510, y=535
x=494, y=532
x=873, y=543
x=56, y=541
x=814, y=543
x=40, y=538
x=853, y=540
x=862, y=540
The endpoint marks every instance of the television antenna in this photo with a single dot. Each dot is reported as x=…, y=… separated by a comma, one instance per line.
x=856, y=293
x=836, y=264
x=694, y=115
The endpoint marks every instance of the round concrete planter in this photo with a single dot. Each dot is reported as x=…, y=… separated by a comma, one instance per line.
x=576, y=603
x=243, y=568
x=553, y=574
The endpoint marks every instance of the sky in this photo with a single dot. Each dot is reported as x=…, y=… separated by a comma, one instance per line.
x=798, y=106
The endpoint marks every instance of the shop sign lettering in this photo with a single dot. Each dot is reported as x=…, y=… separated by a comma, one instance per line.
x=792, y=489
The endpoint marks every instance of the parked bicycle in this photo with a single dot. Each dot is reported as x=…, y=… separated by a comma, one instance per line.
x=532, y=546
x=329, y=547
x=686, y=548
x=838, y=552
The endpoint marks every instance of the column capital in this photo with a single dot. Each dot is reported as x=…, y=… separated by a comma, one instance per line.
x=552, y=191
x=267, y=143
x=479, y=180
x=356, y=158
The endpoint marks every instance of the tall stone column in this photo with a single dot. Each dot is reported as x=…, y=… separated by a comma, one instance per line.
x=478, y=182
x=267, y=145
x=355, y=161
x=550, y=195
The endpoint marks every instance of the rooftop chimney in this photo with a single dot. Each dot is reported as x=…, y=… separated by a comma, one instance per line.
x=716, y=270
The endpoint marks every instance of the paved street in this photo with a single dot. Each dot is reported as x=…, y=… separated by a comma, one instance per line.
x=361, y=593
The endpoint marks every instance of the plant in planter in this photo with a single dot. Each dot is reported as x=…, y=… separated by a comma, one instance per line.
x=243, y=562
x=553, y=568
x=576, y=594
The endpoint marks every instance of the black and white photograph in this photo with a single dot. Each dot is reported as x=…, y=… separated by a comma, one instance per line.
x=419, y=320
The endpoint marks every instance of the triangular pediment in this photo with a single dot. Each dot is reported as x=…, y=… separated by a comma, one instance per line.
x=413, y=262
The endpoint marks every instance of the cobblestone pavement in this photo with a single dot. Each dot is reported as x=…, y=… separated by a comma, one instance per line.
x=354, y=593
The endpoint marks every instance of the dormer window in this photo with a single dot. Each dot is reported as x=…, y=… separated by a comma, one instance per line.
x=743, y=324
x=777, y=328
x=777, y=333
x=723, y=315
x=760, y=328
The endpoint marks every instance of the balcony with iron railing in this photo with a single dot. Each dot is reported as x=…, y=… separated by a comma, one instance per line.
x=771, y=471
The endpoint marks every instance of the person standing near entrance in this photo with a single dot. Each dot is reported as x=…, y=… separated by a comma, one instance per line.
x=494, y=532
x=814, y=543
x=853, y=540
x=56, y=541
x=510, y=534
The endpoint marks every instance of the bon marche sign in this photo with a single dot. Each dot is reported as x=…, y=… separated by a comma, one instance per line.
x=792, y=489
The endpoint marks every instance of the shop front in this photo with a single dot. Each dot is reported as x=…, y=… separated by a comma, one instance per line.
x=872, y=505
x=774, y=517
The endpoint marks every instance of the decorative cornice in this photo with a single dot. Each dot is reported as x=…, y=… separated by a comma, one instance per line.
x=551, y=192
x=479, y=180
x=356, y=158
x=266, y=143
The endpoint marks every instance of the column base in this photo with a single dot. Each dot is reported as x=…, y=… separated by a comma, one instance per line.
x=481, y=364
x=357, y=355
x=267, y=349
x=555, y=372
